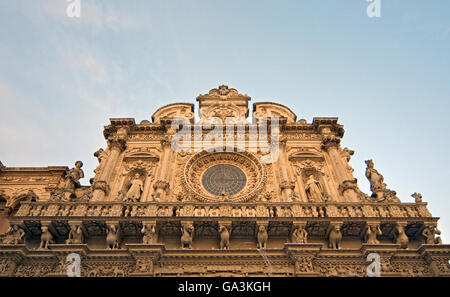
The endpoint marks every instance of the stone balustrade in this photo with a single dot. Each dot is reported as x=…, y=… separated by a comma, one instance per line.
x=229, y=210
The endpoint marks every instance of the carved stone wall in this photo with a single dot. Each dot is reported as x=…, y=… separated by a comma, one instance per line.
x=150, y=210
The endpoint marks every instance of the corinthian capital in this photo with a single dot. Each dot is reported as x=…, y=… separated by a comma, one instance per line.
x=102, y=186
x=330, y=141
x=117, y=142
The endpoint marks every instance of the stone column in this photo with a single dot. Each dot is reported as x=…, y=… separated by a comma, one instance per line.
x=287, y=185
x=161, y=184
x=347, y=188
x=330, y=144
x=117, y=145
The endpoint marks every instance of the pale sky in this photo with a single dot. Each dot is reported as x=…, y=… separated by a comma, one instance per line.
x=387, y=78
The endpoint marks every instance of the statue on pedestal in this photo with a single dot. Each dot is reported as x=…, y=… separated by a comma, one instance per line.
x=313, y=189
x=377, y=185
x=136, y=189
x=72, y=181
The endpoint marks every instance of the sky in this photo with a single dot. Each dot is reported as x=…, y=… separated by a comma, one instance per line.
x=387, y=78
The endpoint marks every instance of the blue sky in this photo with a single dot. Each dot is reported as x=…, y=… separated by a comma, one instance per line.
x=387, y=79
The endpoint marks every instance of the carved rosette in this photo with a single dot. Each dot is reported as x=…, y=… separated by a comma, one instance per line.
x=248, y=163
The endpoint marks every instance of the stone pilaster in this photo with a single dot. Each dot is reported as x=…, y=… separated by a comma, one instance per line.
x=117, y=144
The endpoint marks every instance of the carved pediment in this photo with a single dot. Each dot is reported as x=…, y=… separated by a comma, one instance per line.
x=223, y=92
x=306, y=154
x=174, y=110
x=141, y=153
x=269, y=109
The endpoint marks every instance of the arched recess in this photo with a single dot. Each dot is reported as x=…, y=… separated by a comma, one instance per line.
x=140, y=161
x=307, y=162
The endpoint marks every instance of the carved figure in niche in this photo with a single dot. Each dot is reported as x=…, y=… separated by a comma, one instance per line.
x=417, y=197
x=334, y=237
x=14, y=235
x=46, y=238
x=313, y=189
x=429, y=233
x=72, y=178
x=136, y=189
x=224, y=237
x=187, y=233
x=112, y=238
x=371, y=234
x=75, y=235
x=150, y=235
x=261, y=237
x=299, y=235
x=400, y=236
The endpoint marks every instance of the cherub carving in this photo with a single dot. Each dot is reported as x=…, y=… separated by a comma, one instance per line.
x=370, y=236
x=299, y=235
x=417, y=197
x=75, y=235
x=429, y=233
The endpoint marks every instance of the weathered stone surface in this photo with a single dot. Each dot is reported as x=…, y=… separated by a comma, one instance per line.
x=286, y=205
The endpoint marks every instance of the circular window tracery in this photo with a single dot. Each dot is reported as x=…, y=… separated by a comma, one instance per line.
x=224, y=180
x=223, y=176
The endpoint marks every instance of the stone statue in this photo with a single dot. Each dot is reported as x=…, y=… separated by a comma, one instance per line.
x=299, y=235
x=14, y=235
x=417, y=197
x=377, y=185
x=371, y=234
x=101, y=156
x=72, y=178
x=112, y=238
x=261, y=237
x=334, y=237
x=187, y=233
x=224, y=237
x=46, y=238
x=313, y=190
x=429, y=233
x=75, y=235
x=150, y=235
x=136, y=189
x=376, y=179
x=400, y=236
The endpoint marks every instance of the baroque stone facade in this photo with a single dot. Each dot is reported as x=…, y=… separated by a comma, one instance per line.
x=154, y=211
